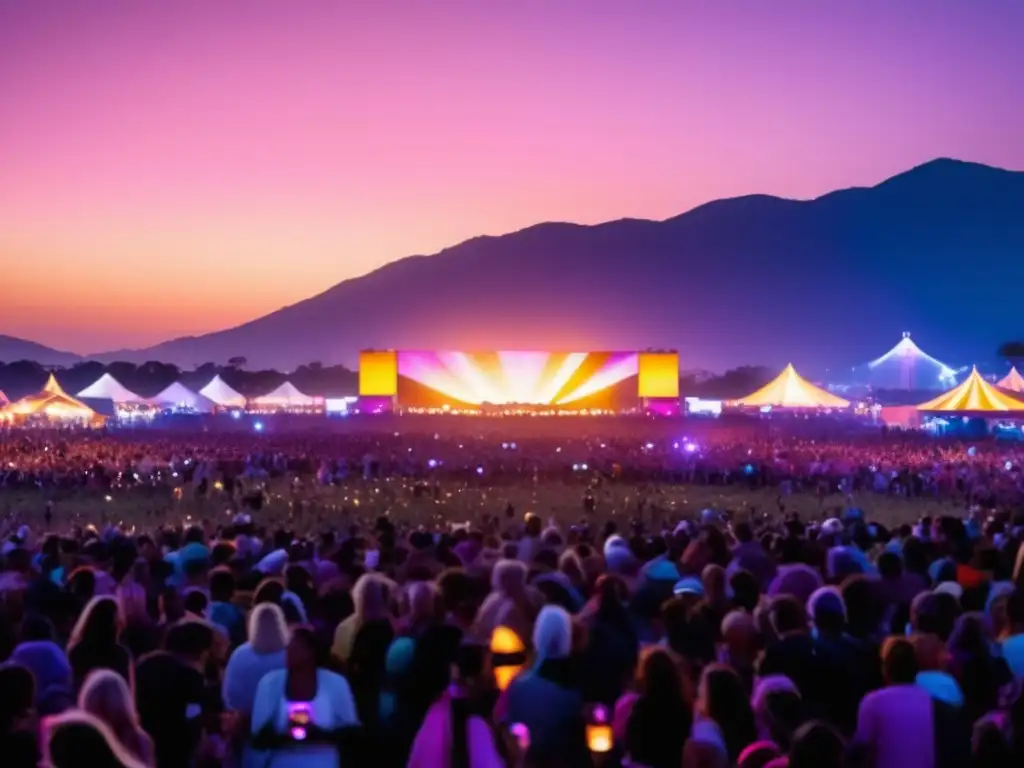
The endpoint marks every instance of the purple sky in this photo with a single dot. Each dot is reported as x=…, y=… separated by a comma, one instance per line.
x=181, y=166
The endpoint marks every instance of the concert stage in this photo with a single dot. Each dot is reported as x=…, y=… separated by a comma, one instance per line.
x=519, y=383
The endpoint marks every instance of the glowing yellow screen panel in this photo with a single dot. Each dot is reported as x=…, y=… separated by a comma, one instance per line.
x=378, y=374
x=659, y=375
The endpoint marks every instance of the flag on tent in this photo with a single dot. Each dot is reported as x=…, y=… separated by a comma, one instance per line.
x=790, y=390
x=973, y=395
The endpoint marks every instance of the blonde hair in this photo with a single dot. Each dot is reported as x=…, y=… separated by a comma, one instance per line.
x=77, y=717
x=84, y=625
x=371, y=597
x=132, y=598
x=268, y=629
x=422, y=596
x=105, y=695
x=508, y=576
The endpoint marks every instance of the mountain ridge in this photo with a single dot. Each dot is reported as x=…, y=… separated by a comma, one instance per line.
x=14, y=349
x=708, y=277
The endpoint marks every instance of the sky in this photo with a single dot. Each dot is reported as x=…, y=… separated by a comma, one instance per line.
x=172, y=168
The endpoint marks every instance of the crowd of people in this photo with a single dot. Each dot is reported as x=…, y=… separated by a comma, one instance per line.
x=380, y=635
x=795, y=456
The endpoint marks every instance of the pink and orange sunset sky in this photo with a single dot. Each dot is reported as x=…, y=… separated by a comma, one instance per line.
x=170, y=168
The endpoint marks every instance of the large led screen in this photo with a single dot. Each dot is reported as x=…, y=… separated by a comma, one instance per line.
x=659, y=375
x=378, y=374
x=558, y=380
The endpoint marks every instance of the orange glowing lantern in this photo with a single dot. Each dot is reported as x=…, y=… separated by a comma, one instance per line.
x=508, y=654
x=599, y=731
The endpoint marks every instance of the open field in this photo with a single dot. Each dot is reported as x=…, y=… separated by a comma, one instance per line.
x=311, y=508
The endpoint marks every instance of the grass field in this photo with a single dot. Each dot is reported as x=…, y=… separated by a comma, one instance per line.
x=313, y=507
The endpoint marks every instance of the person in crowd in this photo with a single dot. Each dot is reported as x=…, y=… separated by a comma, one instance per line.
x=301, y=714
x=850, y=668
x=660, y=719
x=371, y=596
x=170, y=693
x=49, y=666
x=896, y=724
x=740, y=646
x=724, y=724
x=94, y=642
x=792, y=654
x=1013, y=644
x=18, y=747
x=223, y=612
x=456, y=732
x=980, y=674
x=263, y=652
x=140, y=634
x=817, y=745
x=508, y=604
x=106, y=697
x=610, y=655
x=998, y=737
x=778, y=710
x=77, y=739
x=545, y=701
x=760, y=754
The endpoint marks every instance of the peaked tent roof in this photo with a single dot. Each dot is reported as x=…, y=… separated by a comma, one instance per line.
x=1013, y=381
x=53, y=387
x=973, y=395
x=52, y=400
x=106, y=387
x=218, y=391
x=888, y=370
x=286, y=395
x=177, y=394
x=790, y=390
x=3, y=398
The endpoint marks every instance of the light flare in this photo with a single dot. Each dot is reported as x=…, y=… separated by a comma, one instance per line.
x=613, y=373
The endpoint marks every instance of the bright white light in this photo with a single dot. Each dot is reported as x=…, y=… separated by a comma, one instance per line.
x=258, y=426
x=907, y=349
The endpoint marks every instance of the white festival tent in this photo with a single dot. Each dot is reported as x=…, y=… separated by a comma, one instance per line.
x=179, y=396
x=106, y=387
x=223, y=395
x=1013, y=381
x=286, y=396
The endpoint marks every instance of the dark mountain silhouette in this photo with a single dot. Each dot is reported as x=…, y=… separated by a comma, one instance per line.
x=938, y=250
x=13, y=350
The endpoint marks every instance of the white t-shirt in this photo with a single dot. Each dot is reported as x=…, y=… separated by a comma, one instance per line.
x=332, y=707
